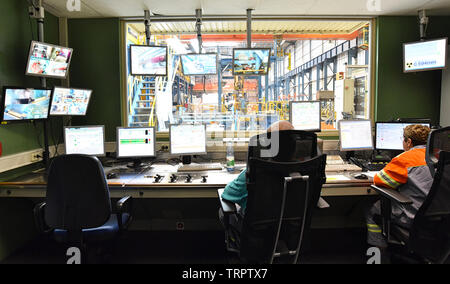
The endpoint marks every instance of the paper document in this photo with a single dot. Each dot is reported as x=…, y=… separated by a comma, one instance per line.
x=337, y=178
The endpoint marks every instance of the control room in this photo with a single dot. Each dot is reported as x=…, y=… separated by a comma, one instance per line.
x=224, y=132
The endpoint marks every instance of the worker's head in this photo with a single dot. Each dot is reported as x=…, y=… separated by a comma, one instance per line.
x=415, y=135
x=280, y=126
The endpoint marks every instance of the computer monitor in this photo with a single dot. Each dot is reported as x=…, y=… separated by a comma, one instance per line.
x=136, y=143
x=187, y=140
x=425, y=55
x=48, y=60
x=148, y=60
x=88, y=140
x=21, y=104
x=389, y=135
x=251, y=61
x=305, y=115
x=68, y=101
x=199, y=64
x=355, y=135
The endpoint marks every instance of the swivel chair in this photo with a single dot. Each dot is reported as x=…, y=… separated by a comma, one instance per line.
x=428, y=238
x=77, y=210
x=284, y=185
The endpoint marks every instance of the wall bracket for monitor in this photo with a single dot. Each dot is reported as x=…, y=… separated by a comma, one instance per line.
x=423, y=24
x=198, y=25
x=35, y=10
x=147, y=24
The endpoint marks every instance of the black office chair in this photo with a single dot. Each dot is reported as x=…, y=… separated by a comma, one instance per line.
x=77, y=210
x=293, y=145
x=282, y=193
x=428, y=238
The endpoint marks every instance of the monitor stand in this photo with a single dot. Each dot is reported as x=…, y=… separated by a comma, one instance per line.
x=186, y=160
x=136, y=165
x=347, y=155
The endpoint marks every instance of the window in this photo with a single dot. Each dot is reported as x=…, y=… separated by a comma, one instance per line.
x=311, y=63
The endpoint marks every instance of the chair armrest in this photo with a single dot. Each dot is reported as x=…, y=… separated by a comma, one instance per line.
x=228, y=207
x=392, y=194
x=124, y=203
x=39, y=218
x=124, y=206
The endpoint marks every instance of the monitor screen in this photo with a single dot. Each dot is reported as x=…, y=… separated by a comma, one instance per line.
x=148, y=60
x=199, y=64
x=47, y=60
x=67, y=101
x=25, y=104
x=88, y=140
x=389, y=135
x=425, y=55
x=251, y=61
x=187, y=139
x=355, y=135
x=135, y=142
x=305, y=115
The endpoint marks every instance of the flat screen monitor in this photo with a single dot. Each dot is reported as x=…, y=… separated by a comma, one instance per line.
x=135, y=142
x=148, y=60
x=389, y=135
x=47, y=60
x=355, y=135
x=20, y=104
x=66, y=101
x=187, y=139
x=199, y=64
x=425, y=55
x=87, y=140
x=251, y=61
x=305, y=115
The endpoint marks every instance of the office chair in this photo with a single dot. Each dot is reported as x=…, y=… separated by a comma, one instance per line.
x=428, y=238
x=282, y=193
x=77, y=210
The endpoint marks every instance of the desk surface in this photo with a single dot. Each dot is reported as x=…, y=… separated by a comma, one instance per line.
x=143, y=184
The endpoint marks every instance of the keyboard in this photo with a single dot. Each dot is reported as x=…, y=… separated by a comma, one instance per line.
x=200, y=167
x=367, y=165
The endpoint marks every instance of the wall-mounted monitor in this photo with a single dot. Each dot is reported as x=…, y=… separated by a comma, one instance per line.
x=305, y=115
x=47, y=60
x=251, y=61
x=67, y=101
x=148, y=60
x=199, y=64
x=425, y=55
x=20, y=104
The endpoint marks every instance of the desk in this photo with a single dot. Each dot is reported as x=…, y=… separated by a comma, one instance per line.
x=142, y=185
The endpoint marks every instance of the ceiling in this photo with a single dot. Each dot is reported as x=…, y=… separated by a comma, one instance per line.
x=135, y=8
x=337, y=28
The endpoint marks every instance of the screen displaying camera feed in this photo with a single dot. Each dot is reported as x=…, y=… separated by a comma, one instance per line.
x=199, y=64
x=25, y=104
x=148, y=60
x=251, y=61
x=67, y=101
x=47, y=60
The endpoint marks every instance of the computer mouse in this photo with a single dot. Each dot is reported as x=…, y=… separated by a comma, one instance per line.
x=361, y=176
x=111, y=175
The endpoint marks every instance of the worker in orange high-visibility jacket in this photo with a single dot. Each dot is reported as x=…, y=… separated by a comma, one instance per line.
x=408, y=173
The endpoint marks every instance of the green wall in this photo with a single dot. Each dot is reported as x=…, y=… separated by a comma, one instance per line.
x=16, y=33
x=96, y=65
x=19, y=30
x=401, y=94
